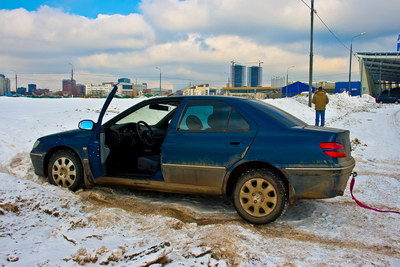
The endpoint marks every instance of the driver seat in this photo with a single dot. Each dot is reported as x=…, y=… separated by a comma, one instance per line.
x=148, y=163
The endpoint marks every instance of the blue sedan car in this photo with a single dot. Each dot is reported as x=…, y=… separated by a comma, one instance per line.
x=256, y=154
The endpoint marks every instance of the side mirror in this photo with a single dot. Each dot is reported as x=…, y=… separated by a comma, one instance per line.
x=86, y=125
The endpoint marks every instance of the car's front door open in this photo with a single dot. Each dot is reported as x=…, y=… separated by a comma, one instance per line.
x=97, y=151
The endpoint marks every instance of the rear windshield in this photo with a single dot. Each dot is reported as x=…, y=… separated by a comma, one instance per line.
x=282, y=116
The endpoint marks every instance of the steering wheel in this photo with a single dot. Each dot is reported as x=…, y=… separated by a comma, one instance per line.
x=146, y=136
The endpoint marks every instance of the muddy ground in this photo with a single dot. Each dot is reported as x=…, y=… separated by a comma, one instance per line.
x=187, y=228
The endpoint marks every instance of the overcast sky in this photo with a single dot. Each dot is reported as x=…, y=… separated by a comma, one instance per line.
x=191, y=41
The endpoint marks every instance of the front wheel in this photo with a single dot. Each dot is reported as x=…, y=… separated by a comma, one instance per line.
x=259, y=196
x=65, y=170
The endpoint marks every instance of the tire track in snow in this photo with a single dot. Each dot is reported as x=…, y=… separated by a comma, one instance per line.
x=347, y=203
x=308, y=237
x=376, y=173
x=281, y=230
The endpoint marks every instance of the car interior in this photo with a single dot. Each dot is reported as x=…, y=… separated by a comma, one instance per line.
x=134, y=141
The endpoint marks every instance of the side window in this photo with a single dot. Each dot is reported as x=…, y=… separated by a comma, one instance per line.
x=195, y=118
x=237, y=122
x=211, y=116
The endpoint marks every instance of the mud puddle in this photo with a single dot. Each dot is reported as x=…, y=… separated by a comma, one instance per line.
x=202, y=210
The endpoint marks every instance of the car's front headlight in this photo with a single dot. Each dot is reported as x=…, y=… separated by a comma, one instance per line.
x=36, y=144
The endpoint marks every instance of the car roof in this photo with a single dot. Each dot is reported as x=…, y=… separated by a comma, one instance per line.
x=234, y=98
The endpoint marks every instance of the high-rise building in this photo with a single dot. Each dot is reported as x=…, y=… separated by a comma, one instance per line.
x=238, y=75
x=4, y=85
x=21, y=90
x=31, y=88
x=254, y=76
x=398, y=43
x=68, y=87
x=80, y=89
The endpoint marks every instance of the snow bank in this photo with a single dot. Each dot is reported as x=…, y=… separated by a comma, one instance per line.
x=42, y=225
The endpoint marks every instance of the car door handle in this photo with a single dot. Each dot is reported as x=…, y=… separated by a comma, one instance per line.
x=234, y=143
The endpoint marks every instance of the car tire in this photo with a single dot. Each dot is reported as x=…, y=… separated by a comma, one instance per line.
x=259, y=196
x=396, y=102
x=65, y=170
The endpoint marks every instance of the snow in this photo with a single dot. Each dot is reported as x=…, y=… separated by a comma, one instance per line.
x=43, y=225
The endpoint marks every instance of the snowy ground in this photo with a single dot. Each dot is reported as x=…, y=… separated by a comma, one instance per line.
x=42, y=225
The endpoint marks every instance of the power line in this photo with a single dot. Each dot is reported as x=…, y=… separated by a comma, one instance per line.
x=334, y=35
x=305, y=4
x=326, y=26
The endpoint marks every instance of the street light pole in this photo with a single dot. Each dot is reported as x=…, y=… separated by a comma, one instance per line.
x=160, y=78
x=227, y=85
x=287, y=79
x=311, y=55
x=351, y=53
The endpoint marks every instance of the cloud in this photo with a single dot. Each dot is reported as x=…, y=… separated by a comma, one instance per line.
x=271, y=21
x=197, y=58
x=177, y=15
x=49, y=30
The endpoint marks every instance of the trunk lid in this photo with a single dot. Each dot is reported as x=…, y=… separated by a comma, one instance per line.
x=334, y=135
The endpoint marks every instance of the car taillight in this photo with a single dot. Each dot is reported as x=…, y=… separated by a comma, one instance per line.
x=334, y=150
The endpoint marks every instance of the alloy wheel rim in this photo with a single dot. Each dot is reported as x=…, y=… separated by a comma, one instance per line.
x=258, y=197
x=64, y=172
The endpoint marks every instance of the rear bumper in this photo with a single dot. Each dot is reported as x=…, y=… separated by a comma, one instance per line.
x=38, y=163
x=319, y=182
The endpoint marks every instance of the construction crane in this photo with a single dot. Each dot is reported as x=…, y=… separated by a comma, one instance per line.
x=233, y=62
x=247, y=63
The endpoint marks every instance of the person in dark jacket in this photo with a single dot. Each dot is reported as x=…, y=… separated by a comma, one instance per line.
x=320, y=99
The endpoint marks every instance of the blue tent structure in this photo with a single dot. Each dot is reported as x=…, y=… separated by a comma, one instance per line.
x=295, y=89
x=341, y=87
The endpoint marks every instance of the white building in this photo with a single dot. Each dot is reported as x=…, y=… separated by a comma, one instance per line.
x=140, y=86
x=202, y=89
x=278, y=81
x=124, y=89
x=324, y=84
x=4, y=84
x=129, y=90
x=101, y=90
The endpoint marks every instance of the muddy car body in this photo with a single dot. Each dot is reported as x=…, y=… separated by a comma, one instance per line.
x=257, y=154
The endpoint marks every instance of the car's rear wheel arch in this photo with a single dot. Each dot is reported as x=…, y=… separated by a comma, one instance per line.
x=246, y=166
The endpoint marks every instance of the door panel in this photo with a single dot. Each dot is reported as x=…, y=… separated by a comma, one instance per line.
x=205, y=143
x=94, y=147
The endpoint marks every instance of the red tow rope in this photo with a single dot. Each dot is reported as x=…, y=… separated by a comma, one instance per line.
x=354, y=174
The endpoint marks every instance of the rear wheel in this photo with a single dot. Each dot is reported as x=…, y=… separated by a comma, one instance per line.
x=65, y=170
x=259, y=196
